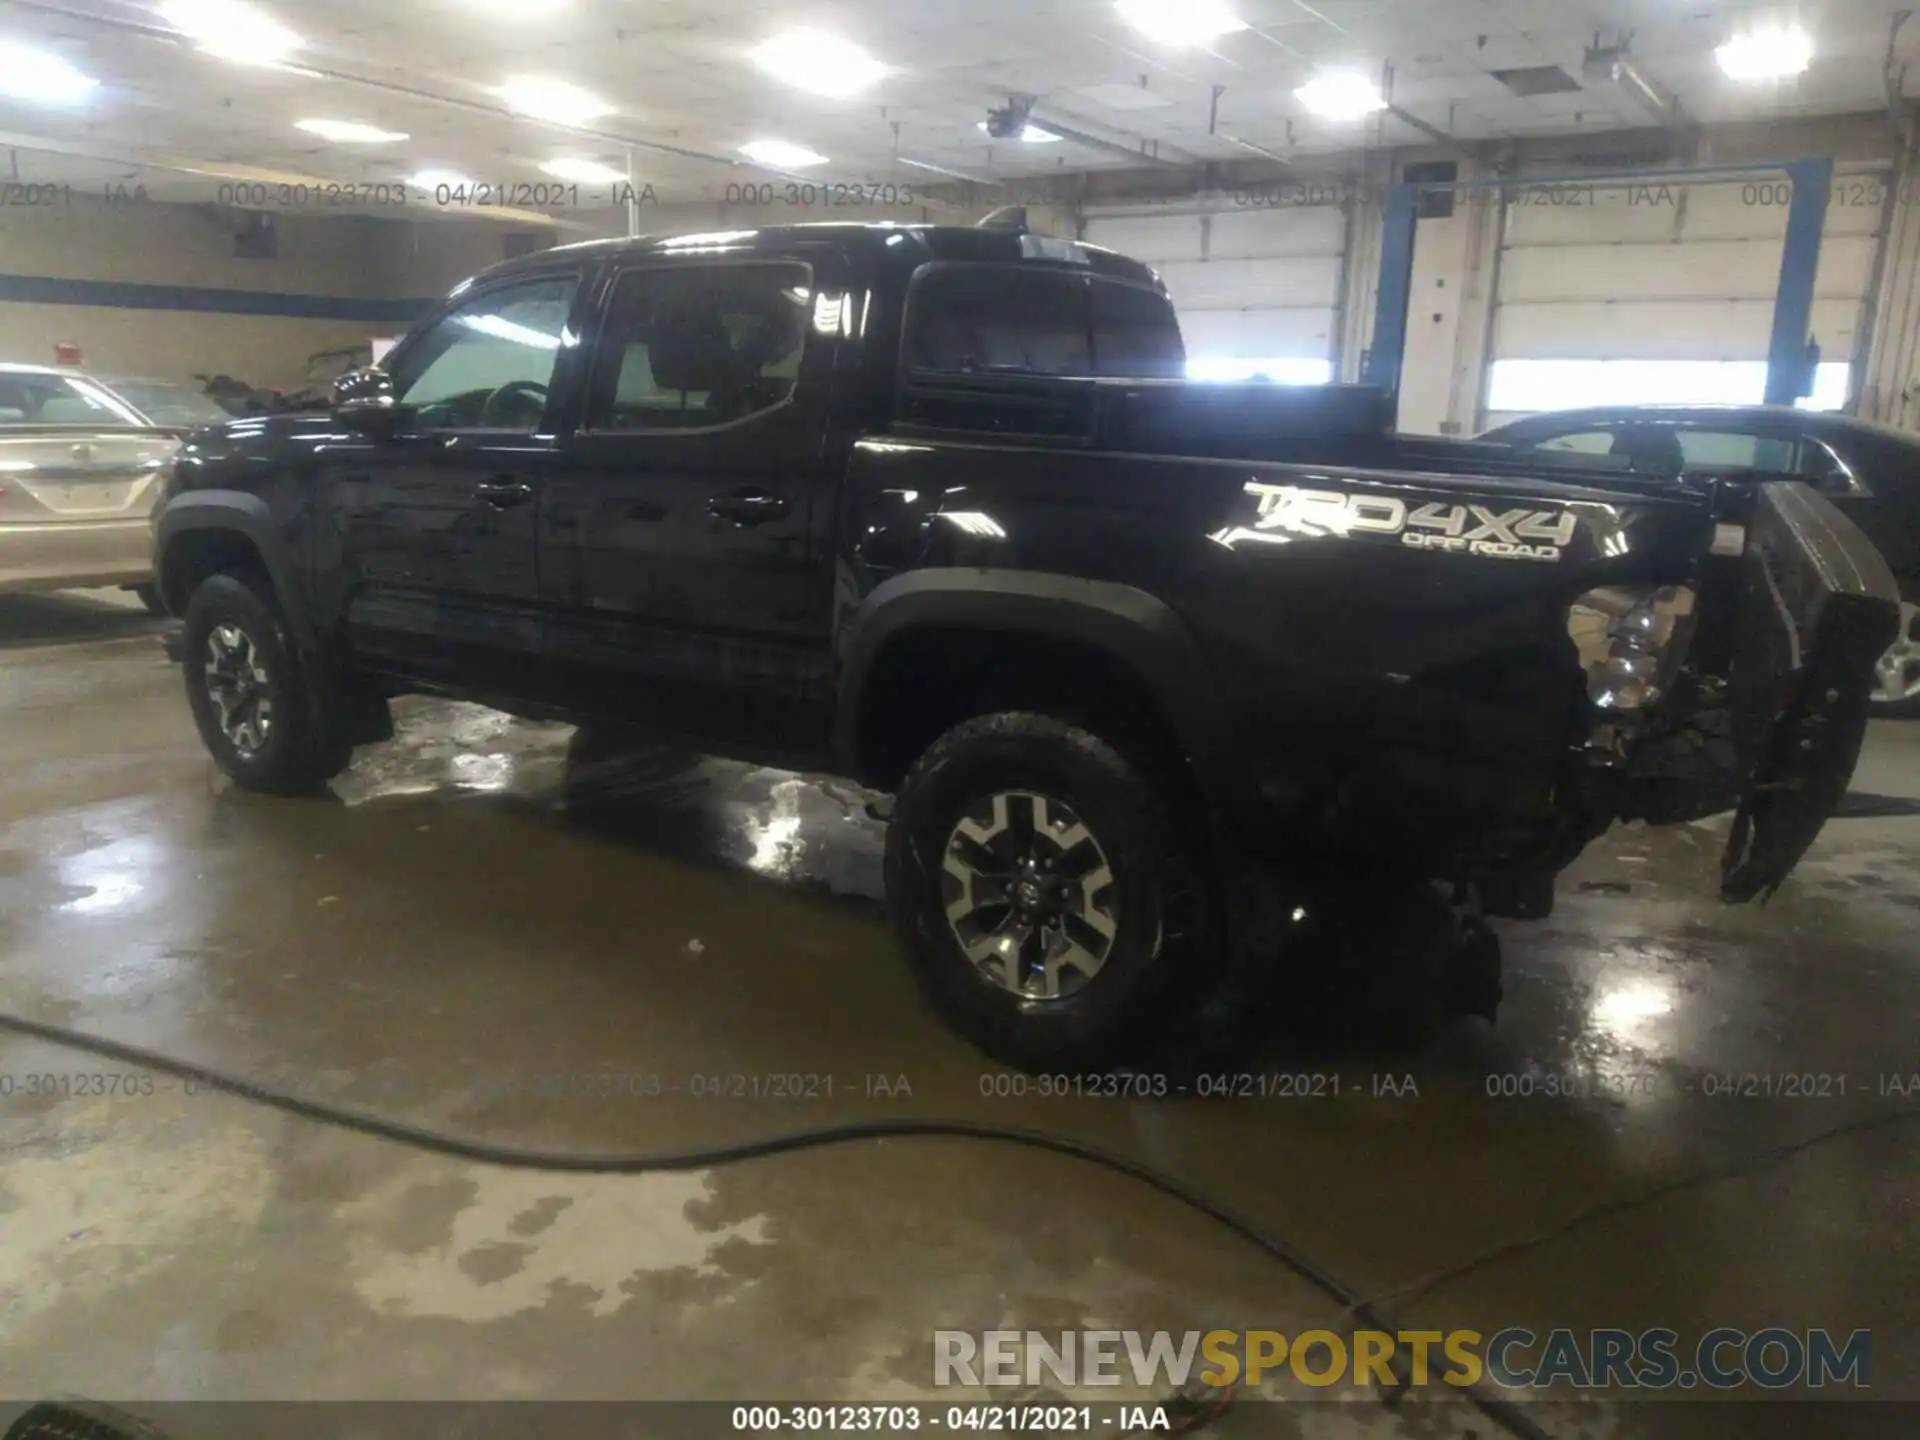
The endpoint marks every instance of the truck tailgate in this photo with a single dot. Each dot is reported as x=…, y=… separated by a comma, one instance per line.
x=1817, y=607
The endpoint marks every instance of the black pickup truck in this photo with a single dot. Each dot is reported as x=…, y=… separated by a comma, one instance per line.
x=932, y=508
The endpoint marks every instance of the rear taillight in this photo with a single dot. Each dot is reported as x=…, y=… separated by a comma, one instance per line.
x=1631, y=642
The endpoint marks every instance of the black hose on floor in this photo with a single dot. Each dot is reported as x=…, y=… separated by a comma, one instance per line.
x=1501, y=1412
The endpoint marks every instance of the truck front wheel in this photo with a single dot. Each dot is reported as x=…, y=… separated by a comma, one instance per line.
x=1052, y=901
x=248, y=692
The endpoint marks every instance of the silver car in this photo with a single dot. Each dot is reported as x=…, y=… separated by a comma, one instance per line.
x=81, y=462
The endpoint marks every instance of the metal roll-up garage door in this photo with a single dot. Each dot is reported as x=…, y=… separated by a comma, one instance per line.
x=1647, y=293
x=1258, y=291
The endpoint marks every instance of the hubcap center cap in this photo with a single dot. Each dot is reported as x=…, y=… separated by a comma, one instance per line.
x=238, y=685
x=1029, y=895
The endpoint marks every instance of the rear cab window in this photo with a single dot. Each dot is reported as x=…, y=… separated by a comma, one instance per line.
x=985, y=318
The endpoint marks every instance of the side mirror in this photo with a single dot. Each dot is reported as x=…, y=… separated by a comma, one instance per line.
x=363, y=402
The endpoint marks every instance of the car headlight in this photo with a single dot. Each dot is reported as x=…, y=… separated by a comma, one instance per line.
x=1631, y=642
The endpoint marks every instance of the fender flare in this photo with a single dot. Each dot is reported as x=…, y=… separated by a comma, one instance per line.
x=1132, y=626
x=240, y=513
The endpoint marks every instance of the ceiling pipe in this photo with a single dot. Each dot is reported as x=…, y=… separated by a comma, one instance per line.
x=947, y=170
x=1614, y=65
x=1433, y=132
x=1024, y=106
x=1094, y=142
x=1895, y=74
x=1261, y=150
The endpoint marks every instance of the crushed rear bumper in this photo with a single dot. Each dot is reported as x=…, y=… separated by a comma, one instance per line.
x=1817, y=608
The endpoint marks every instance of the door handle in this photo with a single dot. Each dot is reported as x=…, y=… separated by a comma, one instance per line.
x=750, y=506
x=503, y=492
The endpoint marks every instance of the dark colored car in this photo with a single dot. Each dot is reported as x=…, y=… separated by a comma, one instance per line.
x=1158, y=673
x=1871, y=473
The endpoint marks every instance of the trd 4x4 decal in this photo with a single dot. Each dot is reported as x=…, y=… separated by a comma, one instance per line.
x=1465, y=529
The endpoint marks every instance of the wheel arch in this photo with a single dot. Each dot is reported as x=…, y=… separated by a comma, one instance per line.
x=1123, y=630
x=206, y=532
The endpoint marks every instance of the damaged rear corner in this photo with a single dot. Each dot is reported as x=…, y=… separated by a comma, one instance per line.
x=1816, y=607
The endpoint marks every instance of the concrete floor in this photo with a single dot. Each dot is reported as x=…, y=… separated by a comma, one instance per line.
x=443, y=933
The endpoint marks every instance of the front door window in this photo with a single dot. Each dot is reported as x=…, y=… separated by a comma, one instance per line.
x=489, y=364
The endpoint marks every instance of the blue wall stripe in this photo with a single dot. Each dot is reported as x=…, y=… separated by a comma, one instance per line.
x=128, y=295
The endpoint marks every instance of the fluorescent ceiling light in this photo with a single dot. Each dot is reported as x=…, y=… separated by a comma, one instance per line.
x=232, y=30
x=584, y=172
x=1181, y=22
x=1774, y=54
x=29, y=74
x=1032, y=134
x=434, y=179
x=553, y=100
x=348, y=132
x=819, y=63
x=1341, y=95
x=781, y=154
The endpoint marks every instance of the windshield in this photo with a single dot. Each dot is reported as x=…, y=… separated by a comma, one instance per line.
x=164, y=403
x=39, y=398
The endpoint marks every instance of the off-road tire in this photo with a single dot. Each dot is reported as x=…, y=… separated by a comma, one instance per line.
x=1165, y=949
x=299, y=753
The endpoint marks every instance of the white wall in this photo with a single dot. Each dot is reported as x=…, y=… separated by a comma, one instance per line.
x=266, y=351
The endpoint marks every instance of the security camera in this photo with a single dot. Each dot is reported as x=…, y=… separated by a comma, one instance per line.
x=1010, y=122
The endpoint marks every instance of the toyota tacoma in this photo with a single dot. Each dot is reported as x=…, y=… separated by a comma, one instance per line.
x=933, y=508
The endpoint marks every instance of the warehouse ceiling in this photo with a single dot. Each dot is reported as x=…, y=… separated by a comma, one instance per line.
x=679, y=81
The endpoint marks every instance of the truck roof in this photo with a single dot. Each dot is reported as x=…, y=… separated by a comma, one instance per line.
x=881, y=241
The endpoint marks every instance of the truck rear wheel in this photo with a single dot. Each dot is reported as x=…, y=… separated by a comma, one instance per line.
x=249, y=695
x=1052, y=902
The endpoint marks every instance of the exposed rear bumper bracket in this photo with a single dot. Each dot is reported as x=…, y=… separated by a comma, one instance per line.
x=1818, y=607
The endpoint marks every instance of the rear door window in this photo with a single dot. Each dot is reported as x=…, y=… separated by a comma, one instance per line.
x=1004, y=319
x=695, y=347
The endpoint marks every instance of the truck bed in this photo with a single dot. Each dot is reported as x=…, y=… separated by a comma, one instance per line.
x=1350, y=426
